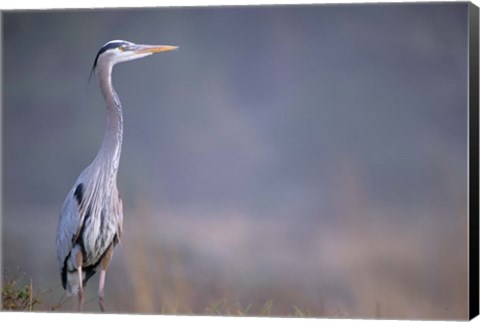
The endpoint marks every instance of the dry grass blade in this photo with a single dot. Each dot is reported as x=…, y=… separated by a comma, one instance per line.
x=266, y=310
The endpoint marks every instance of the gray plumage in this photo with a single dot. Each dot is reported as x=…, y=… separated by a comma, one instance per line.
x=91, y=218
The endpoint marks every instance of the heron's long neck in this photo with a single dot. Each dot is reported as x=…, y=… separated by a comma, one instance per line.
x=110, y=150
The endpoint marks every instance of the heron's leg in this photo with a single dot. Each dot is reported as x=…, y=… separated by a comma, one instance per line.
x=101, y=285
x=103, y=272
x=79, y=262
x=80, y=289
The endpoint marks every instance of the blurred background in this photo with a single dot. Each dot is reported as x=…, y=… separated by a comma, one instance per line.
x=285, y=160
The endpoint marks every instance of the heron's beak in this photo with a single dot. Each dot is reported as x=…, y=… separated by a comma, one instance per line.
x=145, y=49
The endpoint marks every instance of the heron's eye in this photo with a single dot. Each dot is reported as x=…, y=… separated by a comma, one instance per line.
x=122, y=48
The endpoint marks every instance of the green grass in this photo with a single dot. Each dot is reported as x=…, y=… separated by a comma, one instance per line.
x=18, y=295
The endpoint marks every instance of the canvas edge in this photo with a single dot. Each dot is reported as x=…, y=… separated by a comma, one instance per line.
x=473, y=90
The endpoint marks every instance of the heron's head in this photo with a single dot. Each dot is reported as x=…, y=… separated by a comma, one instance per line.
x=117, y=51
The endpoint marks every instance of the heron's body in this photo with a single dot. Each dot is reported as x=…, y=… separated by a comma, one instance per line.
x=91, y=219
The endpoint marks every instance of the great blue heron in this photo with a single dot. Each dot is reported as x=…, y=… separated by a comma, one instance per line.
x=91, y=220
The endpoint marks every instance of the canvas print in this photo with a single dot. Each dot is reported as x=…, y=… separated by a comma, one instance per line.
x=294, y=161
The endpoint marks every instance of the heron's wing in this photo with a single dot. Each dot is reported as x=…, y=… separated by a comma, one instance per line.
x=71, y=221
x=119, y=217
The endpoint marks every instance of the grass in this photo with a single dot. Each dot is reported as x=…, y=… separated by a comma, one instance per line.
x=18, y=296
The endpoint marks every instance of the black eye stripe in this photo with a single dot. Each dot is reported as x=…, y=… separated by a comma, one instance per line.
x=108, y=46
